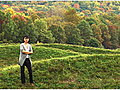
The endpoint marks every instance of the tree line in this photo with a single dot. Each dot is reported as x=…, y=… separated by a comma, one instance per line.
x=96, y=31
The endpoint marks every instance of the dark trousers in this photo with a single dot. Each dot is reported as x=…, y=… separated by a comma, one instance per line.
x=28, y=65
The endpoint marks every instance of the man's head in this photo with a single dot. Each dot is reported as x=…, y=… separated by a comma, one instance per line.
x=26, y=38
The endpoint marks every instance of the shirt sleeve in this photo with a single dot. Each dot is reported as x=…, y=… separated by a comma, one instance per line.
x=31, y=49
x=21, y=47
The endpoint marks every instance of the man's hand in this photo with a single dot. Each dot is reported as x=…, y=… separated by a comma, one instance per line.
x=26, y=52
x=30, y=52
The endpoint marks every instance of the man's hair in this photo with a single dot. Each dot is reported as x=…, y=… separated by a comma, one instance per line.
x=26, y=36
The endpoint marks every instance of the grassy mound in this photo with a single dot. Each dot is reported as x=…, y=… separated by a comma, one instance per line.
x=89, y=72
x=10, y=54
x=65, y=69
x=81, y=49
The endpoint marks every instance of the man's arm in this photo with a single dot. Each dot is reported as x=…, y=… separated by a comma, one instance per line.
x=26, y=52
x=31, y=52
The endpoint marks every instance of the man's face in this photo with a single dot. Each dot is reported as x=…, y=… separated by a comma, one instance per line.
x=26, y=39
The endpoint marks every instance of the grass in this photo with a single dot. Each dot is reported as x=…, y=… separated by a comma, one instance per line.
x=82, y=49
x=67, y=68
x=10, y=54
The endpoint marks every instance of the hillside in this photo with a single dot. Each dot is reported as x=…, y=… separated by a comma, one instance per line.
x=85, y=7
x=62, y=66
x=86, y=23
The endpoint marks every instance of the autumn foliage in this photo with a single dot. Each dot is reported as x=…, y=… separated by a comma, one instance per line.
x=83, y=23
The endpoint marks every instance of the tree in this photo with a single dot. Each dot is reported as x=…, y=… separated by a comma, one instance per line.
x=91, y=20
x=34, y=16
x=56, y=14
x=86, y=31
x=9, y=29
x=97, y=18
x=43, y=35
x=111, y=17
x=87, y=12
x=73, y=34
x=31, y=31
x=20, y=21
x=25, y=26
x=30, y=11
x=97, y=33
x=94, y=42
x=41, y=14
x=53, y=20
x=2, y=18
x=10, y=10
x=76, y=5
x=58, y=32
x=103, y=20
x=114, y=37
x=105, y=35
x=71, y=16
x=117, y=27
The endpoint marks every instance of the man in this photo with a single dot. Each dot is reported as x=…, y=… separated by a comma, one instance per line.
x=25, y=60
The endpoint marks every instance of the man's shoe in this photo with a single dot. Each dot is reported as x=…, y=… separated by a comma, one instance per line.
x=32, y=84
x=24, y=84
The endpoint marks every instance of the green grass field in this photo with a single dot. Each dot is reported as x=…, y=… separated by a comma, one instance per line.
x=61, y=66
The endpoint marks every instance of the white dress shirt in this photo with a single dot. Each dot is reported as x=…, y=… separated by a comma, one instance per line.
x=27, y=49
x=23, y=56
